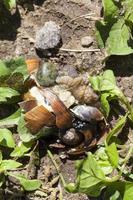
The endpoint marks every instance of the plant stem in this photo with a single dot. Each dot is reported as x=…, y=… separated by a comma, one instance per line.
x=129, y=154
x=117, y=177
x=57, y=168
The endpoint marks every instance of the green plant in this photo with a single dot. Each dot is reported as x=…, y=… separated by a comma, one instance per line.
x=13, y=76
x=105, y=85
x=9, y=4
x=114, y=31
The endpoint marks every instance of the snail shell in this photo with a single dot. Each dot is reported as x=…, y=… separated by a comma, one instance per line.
x=32, y=64
x=69, y=82
x=71, y=137
x=87, y=113
x=80, y=90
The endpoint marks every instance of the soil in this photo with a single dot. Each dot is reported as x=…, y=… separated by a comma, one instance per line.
x=17, y=36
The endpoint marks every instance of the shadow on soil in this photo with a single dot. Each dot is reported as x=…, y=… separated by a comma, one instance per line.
x=9, y=23
x=121, y=65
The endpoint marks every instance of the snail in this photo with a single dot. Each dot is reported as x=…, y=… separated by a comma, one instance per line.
x=80, y=90
x=78, y=128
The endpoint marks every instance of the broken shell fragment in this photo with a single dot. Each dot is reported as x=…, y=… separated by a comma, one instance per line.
x=63, y=115
x=38, y=117
x=35, y=93
x=65, y=96
x=32, y=64
x=46, y=74
x=87, y=113
x=28, y=105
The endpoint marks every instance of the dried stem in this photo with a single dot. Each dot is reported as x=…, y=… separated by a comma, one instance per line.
x=57, y=168
x=80, y=50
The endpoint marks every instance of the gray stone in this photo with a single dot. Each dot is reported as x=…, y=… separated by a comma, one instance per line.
x=48, y=37
x=86, y=41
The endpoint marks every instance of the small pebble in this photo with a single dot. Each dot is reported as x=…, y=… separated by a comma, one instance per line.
x=46, y=74
x=48, y=37
x=86, y=41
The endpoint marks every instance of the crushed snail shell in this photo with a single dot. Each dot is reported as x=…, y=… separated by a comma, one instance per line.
x=65, y=96
x=78, y=128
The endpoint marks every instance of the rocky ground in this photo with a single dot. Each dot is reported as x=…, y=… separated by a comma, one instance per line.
x=76, y=19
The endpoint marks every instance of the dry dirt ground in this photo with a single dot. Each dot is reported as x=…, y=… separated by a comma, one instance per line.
x=76, y=19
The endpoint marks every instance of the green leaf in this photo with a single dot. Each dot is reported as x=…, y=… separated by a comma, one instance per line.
x=117, y=128
x=24, y=132
x=7, y=93
x=10, y=3
x=114, y=196
x=120, y=190
x=113, y=154
x=22, y=70
x=6, y=138
x=95, y=82
x=90, y=178
x=111, y=9
x=11, y=120
x=128, y=191
x=105, y=104
x=28, y=185
x=4, y=71
x=17, y=65
x=105, y=166
x=105, y=82
x=17, y=75
x=109, y=75
x=9, y=165
x=119, y=40
x=101, y=154
x=21, y=149
x=102, y=32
